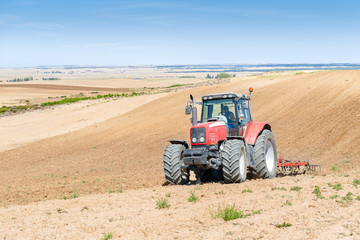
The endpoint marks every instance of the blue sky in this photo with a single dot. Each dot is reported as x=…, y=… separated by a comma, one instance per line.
x=62, y=32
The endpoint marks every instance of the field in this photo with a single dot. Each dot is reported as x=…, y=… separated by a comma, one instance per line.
x=93, y=169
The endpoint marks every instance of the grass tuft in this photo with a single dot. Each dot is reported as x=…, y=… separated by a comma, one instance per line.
x=247, y=190
x=228, y=213
x=162, y=203
x=283, y=225
x=278, y=188
x=348, y=197
x=193, y=197
x=108, y=236
x=336, y=187
x=257, y=212
x=296, y=188
x=317, y=192
x=356, y=182
x=287, y=203
x=334, y=196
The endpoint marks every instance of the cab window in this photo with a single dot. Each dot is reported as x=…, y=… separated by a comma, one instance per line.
x=243, y=108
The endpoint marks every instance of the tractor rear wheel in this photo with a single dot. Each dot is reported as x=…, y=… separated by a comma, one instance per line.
x=265, y=155
x=173, y=156
x=234, y=161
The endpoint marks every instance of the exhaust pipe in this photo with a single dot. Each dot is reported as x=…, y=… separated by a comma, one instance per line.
x=194, y=120
x=194, y=111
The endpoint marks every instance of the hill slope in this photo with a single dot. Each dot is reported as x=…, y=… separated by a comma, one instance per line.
x=313, y=116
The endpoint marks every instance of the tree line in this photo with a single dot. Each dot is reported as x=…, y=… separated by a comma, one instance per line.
x=219, y=76
x=26, y=79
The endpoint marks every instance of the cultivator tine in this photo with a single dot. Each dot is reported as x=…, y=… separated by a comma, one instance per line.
x=313, y=168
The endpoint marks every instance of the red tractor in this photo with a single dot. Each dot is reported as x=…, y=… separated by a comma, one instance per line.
x=225, y=144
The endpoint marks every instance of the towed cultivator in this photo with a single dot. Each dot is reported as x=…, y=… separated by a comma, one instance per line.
x=296, y=167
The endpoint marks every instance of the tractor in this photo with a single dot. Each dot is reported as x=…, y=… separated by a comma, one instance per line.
x=226, y=144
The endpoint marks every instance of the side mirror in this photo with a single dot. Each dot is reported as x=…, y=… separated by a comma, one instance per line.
x=188, y=110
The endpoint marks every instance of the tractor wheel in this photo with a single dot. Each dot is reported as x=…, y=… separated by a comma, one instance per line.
x=172, y=165
x=265, y=155
x=234, y=161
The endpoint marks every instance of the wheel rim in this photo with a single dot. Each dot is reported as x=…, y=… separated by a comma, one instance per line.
x=269, y=156
x=242, y=163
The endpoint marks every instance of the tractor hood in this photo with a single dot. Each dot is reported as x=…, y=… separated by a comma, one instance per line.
x=208, y=133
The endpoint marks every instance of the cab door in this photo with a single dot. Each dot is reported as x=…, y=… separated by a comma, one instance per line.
x=243, y=116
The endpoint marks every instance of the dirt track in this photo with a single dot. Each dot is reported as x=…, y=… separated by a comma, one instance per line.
x=314, y=116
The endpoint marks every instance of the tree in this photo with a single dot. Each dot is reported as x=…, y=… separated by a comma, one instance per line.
x=224, y=75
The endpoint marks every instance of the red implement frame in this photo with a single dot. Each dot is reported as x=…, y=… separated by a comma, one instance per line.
x=284, y=165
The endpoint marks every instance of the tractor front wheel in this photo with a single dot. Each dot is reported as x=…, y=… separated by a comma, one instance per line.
x=173, y=156
x=234, y=161
x=265, y=155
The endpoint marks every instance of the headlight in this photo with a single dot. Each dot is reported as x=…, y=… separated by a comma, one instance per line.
x=198, y=135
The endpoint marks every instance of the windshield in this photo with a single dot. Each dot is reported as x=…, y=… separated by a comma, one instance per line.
x=221, y=107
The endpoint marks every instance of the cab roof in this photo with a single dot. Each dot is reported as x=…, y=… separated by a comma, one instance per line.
x=225, y=96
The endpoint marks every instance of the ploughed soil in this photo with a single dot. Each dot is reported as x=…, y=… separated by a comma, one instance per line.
x=314, y=116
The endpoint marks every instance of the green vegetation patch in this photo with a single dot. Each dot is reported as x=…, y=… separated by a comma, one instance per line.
x=228, y=213
x=336, y=187
x=224, y=75
x=108, y=236
x=178, y=85
x=335, y=167
x=257, y=212
x=64, y=100
x=296, y=188
x=317, y=192
x=247, y=190
x=193, y=197
x=187, y=77
x=162, y=203
x=283, y=225
x=356, y=182
x=348, y=197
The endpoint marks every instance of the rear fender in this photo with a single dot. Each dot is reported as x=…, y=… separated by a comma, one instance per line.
x=182, y=142
x=253, y=131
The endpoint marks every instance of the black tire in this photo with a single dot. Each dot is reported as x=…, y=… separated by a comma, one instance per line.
x=172, y=161
x=265, y=155
x=234, y=161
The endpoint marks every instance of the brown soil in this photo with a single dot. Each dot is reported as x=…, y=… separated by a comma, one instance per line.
x=314, y=116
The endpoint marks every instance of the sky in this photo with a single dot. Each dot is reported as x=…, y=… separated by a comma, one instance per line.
x=109, y=32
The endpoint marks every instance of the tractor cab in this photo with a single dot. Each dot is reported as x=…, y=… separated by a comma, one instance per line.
x=231, y=108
